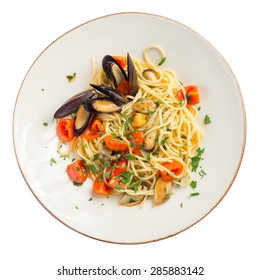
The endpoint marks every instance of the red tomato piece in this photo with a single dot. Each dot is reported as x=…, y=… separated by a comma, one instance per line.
x=65, y=129
x=115, y=144
x=136, y=139
x=175, y=167
x=94, y=130
x=77, y=172
x=121, y=60
x=99, y=187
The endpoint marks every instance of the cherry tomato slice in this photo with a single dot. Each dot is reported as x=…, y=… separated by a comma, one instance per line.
x=121, y=60
x=65, y=129
x=115, y=144
x=77, y=172
x=99, y=187
x=94, y=130
x=175, y=166
x=136, y=139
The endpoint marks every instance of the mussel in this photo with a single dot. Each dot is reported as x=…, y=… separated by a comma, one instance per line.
x=149, y=140
x=150, y=75
x=114, y=95
x=139, y=120
x=124, y=83
x=145, y=105
x=74, y=102
x=83, y=118
x=102, y=105
x=162, y=191
x=131, y=200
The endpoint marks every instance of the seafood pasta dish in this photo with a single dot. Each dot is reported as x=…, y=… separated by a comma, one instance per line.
x=134, y=131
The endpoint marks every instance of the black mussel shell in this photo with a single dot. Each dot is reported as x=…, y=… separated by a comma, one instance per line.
x=74, y=102
x=132, y=76
x=103, y=105
x=113, y=94
x=113, y=70
x=83, y=118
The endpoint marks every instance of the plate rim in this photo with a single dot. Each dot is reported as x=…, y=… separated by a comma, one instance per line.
x=242, y=106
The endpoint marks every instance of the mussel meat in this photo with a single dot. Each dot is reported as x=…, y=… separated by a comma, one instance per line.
x=83, y=118
x=144, y=105
x=149, y=140
x=131, y=200
x=150, y=75
x=162, y=191
x=140, y=120
x=74, y=102
x=102, y=105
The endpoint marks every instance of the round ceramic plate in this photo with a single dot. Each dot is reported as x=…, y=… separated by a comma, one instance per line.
x=46, y=87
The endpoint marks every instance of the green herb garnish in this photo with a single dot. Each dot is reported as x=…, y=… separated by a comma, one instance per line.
x=95, y=157
x=77, y=184
x=194, y=194
x=162, y=61
x=207, y=120
x=193, y=184
x=44, y=123
x=196, y=159
x=128, y=121
x=52, y=161
x=148, y=156
x=91, y=167
x=131, y=157
x=71, y=77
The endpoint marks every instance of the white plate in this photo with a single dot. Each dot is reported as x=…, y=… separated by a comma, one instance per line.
x=45, y=88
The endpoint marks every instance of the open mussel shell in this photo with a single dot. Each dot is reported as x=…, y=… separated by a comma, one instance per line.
x=102, y=105
x=113, y=70
x=74, y=102
x=131, y=200
x=113, y=94
x=82, y=120
x=132, y=76
x=162, y=191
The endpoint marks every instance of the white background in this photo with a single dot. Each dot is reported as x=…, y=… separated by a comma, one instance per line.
x=33, y=244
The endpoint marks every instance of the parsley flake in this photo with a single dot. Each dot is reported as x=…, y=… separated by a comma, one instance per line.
x=44, y=123
x=207, y=120
x=193, y=184
x=162, y=61
x=194, y=194
x=71, y=77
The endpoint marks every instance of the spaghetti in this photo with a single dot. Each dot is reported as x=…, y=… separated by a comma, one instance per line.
x=146, y=147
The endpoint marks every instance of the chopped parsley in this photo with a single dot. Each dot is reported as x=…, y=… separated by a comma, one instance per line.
x=196, y=159
x=131, y=157
x=71, y=77
x=128, y=121
x=207, y=120
x=125, y=177
x=77, y=184
x=148, y=156
x=95, y=157
x=52, y=161
x=193, y=184
x=107, y=174
x=162, y=61
x=194, y=194
x=90, y=199
x=202, y=173
x=181, y=205
x=92, y=167
x=44, y=123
